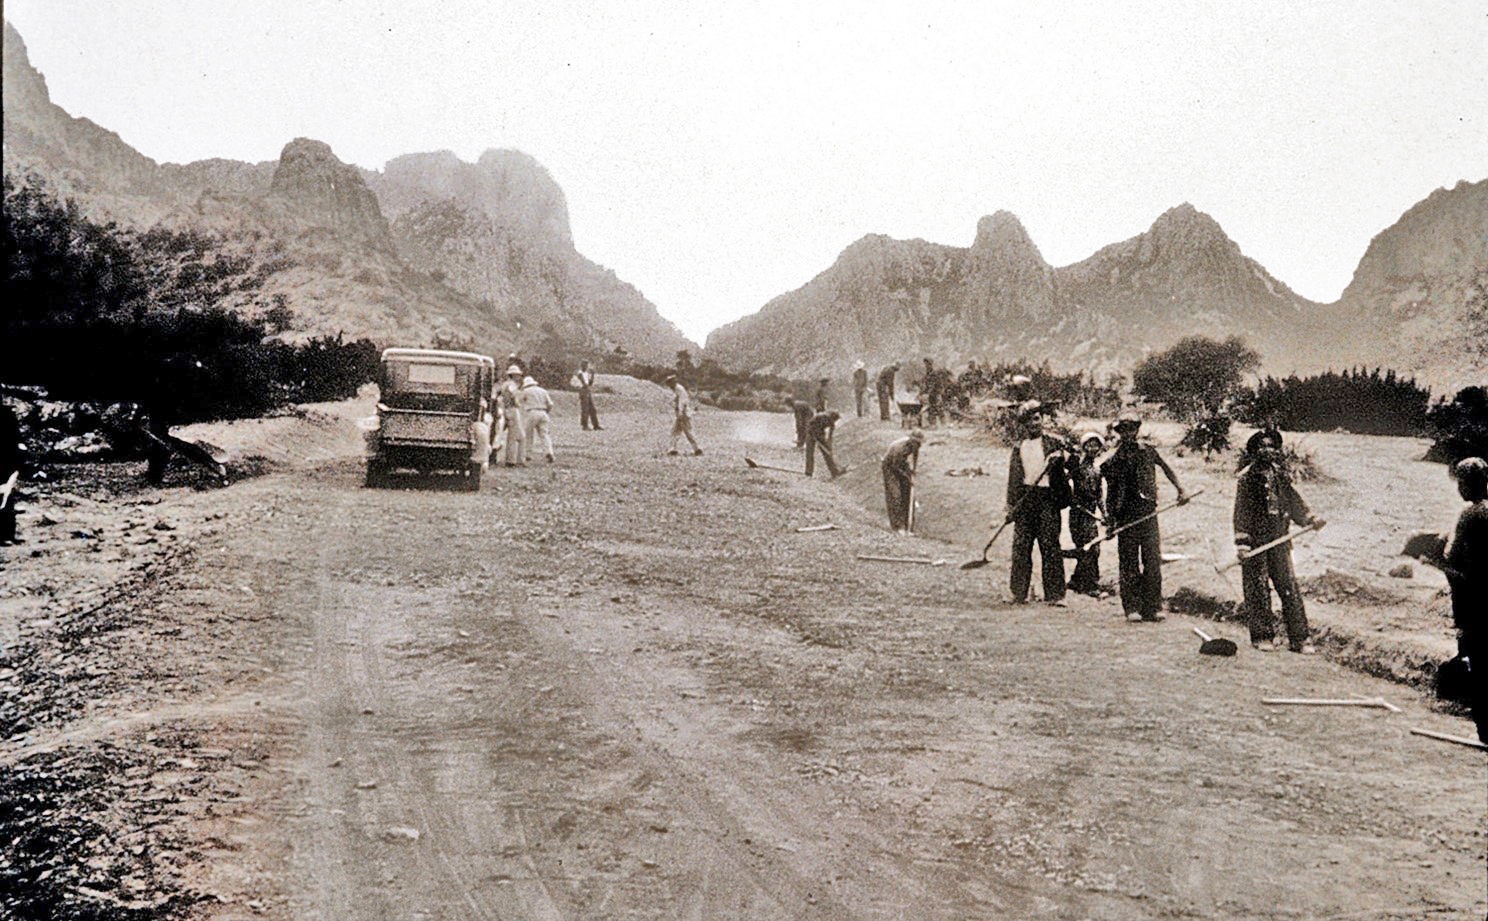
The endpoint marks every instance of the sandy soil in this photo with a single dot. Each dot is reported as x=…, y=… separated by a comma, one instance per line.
x=625, y=687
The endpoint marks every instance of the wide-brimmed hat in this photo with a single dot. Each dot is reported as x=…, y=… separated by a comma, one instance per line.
x=857, y=365
x=1128, y=418
x=1092, y=436
x=1256, y=441
x=514, y=371
x=1028, y=409
x=671, y=378
x=529, y=382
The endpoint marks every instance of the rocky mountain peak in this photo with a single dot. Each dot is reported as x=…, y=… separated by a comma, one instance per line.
x=509, y=187
x=312, y=184
x=25, y=87
x=1000, y=231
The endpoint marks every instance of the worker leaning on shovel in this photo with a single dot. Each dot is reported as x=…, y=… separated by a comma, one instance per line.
x=899, y=465
x=1265, y=504
x=1131, y=508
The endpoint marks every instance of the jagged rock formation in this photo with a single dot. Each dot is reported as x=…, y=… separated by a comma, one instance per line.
x=1000, y=300
x=428, y=248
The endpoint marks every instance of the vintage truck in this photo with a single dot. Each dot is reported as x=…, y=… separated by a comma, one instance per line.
x=433, y=415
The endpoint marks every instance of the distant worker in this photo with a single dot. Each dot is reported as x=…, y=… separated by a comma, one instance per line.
x=584, y=380
x=10, y=466
x=1265, y=503
x=884, y=386
x=1038, y=488
x=931, y=396
x=819, y=437
x=860, y=387
x=899, y=465
x=821, y=394
x=535, y=405
x=1463, y=556
x=1087, y=510
x=1130, y=474
x=803, y=413
x=511, y=416
x=681, y=416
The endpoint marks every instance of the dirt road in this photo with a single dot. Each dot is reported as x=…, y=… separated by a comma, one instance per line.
x=625, y=687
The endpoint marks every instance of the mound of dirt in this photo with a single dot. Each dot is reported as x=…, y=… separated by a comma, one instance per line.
x=1339, y=587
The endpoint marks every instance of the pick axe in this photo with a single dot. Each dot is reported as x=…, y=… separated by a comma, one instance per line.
x=1257, y=551
x=1145, y=518
x=756, y=465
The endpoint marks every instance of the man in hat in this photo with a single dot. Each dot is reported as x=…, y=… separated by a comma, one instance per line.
x=1265, y=503
x=1131, y=494
x=821, y=394
x=584, y=380
x=511, y=416
x=884, y=386
x=1038, y=488
x=803, y=413
x=535, y=404
x=1087, y=508
x=899, y=465
x=860, y=387
x=819, y=436
x=681, y=416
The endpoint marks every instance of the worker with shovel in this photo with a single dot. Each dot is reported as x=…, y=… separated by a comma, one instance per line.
x=1038, y=488
x=819, y=437
x=1131, y=503
x=1265, y=504
x=899, y=465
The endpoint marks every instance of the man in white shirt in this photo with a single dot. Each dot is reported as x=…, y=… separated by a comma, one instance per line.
x=584, y=380
x=535, y=405
x=681, y=415
x=511, y=416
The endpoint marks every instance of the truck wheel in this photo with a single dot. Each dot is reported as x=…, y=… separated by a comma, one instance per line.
x=376, y=475
x=472, y=478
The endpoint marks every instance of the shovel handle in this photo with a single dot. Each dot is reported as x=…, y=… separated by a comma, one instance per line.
x=1257, y=551
x=1147, y=517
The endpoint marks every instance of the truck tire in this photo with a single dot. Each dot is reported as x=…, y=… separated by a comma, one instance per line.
x=472, y=478
x=376, y=475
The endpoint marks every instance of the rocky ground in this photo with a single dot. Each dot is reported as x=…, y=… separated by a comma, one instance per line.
x=625, y=686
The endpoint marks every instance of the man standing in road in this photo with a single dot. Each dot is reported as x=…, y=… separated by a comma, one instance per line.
x=1131, y=495
x=1087, y=508
x=821, y=394
x=584, y=380
x=899, y=465
x=535, y=405
x=860, y=387
x=803, y=413
x=1265, y=503
x=511, y=416
x=885, y=389
x=1038, y=488
x=819, y=436
x=681, y=416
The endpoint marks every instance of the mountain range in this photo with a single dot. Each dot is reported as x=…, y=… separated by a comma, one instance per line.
x=429, y=248
x=1416, y=303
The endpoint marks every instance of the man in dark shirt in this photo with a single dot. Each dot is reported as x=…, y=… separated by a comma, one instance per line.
x=885, y=390
x=860, y=387
x=819, y=436
x=1087, y=508
x=1038, y=488
x=899, y=465
x=1265, y=503
x=803, y=413
x=1131, y=494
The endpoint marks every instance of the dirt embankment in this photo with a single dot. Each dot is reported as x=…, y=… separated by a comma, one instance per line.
x=625, y=686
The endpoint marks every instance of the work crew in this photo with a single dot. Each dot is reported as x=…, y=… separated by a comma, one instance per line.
x=1130, y=474
x=1463, y=556
x=1087, y=509
x=10, y=465
x=584, y=380
x=511, y=416
x=821, y=395
x=535, y=404
x=884, y=386
x=803, y=413
x=819, y=437
x=681, y=416
x=1265, y=504
x=899, y=465
x=1038, y=488
x=860, y=387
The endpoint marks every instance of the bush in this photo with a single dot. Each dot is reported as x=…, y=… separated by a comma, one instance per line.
x=1210, y=435
x=1459, y=428
x=1366, y=403
x=1196, y=377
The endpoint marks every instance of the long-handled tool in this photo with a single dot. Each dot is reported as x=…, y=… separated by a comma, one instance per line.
x=756, y=465
x=913, y=475
x=922, y=560
x=1215, y=647
x=1145, y=518
x=978, y=564
x=1442, y=736
x=1257, y=551
x=1378, y=703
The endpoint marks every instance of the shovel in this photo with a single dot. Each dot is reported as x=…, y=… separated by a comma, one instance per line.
x=978, y=564
x=1215, y=647
x=1257, y=551
x=756, y=465
x=1147, y=517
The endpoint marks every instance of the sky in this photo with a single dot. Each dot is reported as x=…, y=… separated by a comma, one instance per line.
x=717, y=155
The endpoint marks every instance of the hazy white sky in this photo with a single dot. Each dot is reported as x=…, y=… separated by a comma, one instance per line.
x=716, y=155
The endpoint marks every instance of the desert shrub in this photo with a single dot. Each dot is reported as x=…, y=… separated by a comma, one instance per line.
x=1197, y=377
x=1076, y=393
x=1364, y=402
x=1210, y=435
x=1459, y=427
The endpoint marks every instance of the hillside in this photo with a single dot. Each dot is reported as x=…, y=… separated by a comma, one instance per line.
x=428, y=248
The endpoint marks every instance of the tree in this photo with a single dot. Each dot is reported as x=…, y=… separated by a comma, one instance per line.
x=1196, y=377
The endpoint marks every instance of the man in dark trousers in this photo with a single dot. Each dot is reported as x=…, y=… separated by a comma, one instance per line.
x=1038, y=488
x=885, y=389
x=1087, y=508
x=860, y=387
x=821, y=394
x=1265, y=504
x=819, y=436
x=803, y=413
x=10, y=463
x=584, y=378
x=1463, y=556
x=1131, y=494
x=899, y=465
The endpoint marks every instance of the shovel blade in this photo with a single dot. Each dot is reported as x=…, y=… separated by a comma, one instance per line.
x=974, y=564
